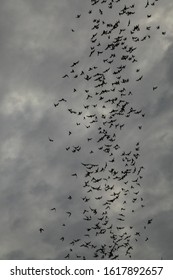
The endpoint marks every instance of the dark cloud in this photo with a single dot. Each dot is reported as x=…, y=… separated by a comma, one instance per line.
x=37, y=48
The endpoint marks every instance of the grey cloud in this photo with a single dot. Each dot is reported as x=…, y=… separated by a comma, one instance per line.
x=37, y=47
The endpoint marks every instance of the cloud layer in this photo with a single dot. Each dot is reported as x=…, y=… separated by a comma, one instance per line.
x=37, y=48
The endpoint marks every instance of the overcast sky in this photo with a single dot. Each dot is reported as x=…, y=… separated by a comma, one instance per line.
x=37, y=49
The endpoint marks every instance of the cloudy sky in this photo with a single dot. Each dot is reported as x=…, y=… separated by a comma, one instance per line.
x=37, y=49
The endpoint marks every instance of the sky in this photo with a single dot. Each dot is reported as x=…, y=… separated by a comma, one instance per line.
x=38, y=47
